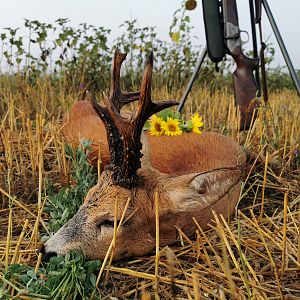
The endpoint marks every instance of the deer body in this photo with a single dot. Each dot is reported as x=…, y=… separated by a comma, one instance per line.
x=177, y=155
x=191, y=174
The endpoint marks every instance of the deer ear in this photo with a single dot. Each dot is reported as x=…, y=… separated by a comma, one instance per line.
x=196, y=191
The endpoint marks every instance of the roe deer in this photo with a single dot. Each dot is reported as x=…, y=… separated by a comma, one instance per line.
x=191, y=174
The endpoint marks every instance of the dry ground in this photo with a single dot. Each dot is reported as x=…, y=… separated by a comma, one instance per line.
x=254, y=256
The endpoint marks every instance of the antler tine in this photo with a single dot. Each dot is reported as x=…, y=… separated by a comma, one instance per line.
x=118, y=98
x=115, y=72
x=146, y=107
x=113, y=136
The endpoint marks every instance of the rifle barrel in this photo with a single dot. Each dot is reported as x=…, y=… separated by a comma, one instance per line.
x=254, y=42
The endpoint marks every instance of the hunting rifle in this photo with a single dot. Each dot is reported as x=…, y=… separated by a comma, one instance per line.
x=223, y=36
x=245, y=86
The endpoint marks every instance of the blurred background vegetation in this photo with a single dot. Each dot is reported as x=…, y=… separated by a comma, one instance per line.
x=79, y=58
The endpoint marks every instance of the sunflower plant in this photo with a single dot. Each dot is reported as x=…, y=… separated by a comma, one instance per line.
x=169, y=123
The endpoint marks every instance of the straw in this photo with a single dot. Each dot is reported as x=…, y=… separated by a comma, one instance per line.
x=254, y=256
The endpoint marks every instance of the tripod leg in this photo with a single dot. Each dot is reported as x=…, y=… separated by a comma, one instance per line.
x=254, y=41
x=282, y=46
x=192, y=80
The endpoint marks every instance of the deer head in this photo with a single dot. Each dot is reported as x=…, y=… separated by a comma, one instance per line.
x=180, y=197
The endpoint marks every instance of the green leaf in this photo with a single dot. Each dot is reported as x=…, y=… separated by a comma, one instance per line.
x=165, y=114
x=147, y=125
x=93, y=280
x=16, y=268
x=190, y=124
x=177, y=115
x=186, y=126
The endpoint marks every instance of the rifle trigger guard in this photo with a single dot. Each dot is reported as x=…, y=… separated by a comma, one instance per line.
x=244, y=41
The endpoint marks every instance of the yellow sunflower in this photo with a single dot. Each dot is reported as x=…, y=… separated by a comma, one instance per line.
x=171, y=127
x=156, y=126
x=197, y=123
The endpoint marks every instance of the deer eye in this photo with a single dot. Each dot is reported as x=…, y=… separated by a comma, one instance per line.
x=107, y=223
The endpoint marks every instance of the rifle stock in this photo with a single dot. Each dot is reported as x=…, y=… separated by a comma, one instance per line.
x=245, y=88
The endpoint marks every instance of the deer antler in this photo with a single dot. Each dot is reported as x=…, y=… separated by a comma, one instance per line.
x=116, y=95
x=123, y=133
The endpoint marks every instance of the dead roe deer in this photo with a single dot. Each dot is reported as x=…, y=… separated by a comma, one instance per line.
x=191, y=174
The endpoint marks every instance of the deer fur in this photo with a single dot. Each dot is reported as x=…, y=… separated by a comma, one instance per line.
x=192, y=175
x=183, y=154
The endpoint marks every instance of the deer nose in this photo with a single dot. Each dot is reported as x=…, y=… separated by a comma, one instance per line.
x=46, y=255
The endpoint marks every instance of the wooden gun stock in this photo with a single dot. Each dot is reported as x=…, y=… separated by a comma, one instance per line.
x=245, y=88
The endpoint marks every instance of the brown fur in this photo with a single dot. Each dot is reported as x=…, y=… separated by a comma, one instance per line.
x=181, y=154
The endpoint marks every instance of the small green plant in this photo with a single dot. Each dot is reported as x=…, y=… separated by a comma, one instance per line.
x=63, y=205
x=64, y=277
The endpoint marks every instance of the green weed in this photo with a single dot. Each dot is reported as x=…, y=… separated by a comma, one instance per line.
x=64, y=277
x=64, y=204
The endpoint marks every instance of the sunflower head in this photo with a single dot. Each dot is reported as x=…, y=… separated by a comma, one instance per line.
x=156, y=126
x=171, y=127
x=197, y=123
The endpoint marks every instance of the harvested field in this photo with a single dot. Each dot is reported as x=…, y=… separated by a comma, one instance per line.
x=254, y=256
